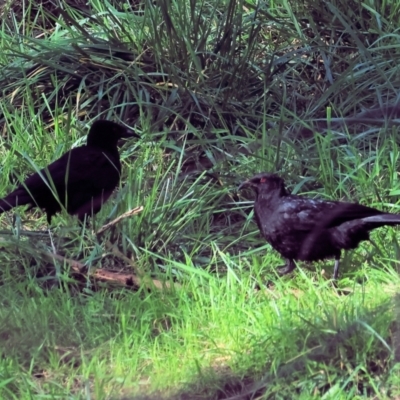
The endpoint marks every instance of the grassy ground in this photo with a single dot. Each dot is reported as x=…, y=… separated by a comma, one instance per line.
x=217, y=92
x=211, y=338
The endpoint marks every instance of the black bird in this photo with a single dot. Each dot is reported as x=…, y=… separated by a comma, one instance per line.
x=305, y=229
x=80, y=181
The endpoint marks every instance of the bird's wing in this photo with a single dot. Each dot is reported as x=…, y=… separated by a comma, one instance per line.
x=76, y=167
x=314, y=213
x=326, y=215
x=344, y=212
x=302, y=214
x=287, y=222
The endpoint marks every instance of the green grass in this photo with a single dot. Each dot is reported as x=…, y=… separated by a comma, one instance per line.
x=218, y=91
x=298, y=335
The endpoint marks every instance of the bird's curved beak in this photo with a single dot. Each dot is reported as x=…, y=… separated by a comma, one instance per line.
x=244, y=185
x=129, y=133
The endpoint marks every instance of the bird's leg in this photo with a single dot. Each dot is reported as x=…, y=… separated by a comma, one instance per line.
x=336, y=268
x=287, y=268
x=52, y=242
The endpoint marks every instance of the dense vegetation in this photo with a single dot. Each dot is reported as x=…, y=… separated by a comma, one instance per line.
x=180, y=299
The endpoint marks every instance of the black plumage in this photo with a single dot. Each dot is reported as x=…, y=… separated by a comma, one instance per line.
x=80, y=181
x=305, y=229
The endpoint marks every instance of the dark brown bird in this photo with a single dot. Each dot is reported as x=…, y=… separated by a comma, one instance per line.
x=80, y=181
x=305, y=229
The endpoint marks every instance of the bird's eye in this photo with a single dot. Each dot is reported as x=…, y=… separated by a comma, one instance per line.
x=263, y=180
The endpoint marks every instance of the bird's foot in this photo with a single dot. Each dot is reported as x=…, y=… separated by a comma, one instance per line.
x=287, y=268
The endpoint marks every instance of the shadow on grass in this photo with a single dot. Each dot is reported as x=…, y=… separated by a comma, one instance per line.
x=353, y=359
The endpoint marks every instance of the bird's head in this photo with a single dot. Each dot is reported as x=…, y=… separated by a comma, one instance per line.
x=265, y=183
x=106, y=134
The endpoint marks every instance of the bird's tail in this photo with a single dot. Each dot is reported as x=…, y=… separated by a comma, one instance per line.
x=381, y=220
x=364, y=218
